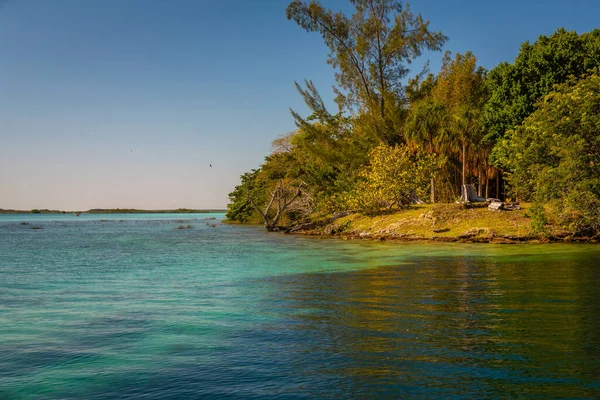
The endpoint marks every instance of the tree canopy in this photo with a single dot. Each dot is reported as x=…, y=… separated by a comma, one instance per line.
x=371, y=51
x=395, y=141
x=516, y=88
x=554, y=156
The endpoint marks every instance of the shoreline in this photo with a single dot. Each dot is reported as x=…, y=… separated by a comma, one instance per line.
x=113, y=211
x=439, y=239
x=449, y=223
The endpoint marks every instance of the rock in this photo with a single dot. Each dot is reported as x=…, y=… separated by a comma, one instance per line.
x=516, y=238
x=501, y=240
x=332, y=229
x=496, y=206
x=301, y=227
x=444, y=239
x=341, y=214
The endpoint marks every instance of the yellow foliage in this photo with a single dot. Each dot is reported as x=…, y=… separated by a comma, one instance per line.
x=395, y=177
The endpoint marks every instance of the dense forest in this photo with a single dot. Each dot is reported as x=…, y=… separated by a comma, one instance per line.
x=527, y=130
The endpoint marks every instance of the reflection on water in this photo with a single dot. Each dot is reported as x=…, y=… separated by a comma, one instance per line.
x=133, y=309
x=450, y=327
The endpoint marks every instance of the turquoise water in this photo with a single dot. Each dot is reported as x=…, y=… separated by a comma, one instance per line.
x=130, y=307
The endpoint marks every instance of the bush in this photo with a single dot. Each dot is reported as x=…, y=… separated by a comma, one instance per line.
x=553, y=157
x=539, y=220
x=394, y=178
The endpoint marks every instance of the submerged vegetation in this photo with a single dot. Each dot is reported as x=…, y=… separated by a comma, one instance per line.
x=522, y=132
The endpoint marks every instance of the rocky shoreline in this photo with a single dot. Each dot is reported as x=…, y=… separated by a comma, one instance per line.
x=506, y=239
x=437, y=223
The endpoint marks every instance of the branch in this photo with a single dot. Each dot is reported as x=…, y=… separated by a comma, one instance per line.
x=352, y=55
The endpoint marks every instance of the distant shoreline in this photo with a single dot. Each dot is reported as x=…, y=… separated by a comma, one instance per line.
x=114, y=211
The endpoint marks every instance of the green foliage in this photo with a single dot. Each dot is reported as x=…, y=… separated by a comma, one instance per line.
x=36, y=211
x=554, y=156
x=370, y=51
x=394, y=177
x=326, y=152
x=391, y=143
x=240, y=208
x=444, y=118
x=539, y=219
x=460, y=88
x=516, y=88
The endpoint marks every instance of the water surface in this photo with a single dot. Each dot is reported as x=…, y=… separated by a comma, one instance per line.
x=130, y=306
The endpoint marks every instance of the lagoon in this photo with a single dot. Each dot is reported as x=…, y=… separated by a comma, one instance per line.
x=129, y=306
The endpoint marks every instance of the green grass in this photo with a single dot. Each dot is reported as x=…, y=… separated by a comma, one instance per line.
x=429, y=221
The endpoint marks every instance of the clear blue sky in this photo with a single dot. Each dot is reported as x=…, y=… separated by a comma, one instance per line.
x=125, y=103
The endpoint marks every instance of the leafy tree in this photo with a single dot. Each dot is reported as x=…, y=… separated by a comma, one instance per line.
x=394, y=178
x=370, y=51
x=516, y=88
x=326, y=151
x=460, y=88
x=554, y=156
x=239, y=208
x=426, y=131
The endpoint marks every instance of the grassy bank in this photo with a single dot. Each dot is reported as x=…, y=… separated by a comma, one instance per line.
x=113, y=211
x=444, y=222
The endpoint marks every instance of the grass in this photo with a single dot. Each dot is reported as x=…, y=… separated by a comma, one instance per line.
x=429, y=221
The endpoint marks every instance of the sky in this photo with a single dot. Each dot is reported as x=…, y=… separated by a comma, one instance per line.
x=128, y=103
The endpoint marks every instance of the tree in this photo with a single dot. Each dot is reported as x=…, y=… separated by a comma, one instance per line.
x=554, y=156
x=239, y=208
x=460, y=88
x=516, y=88
x=426, y=131
x=326, y=151
x=371, y=51
x=282, y=197
x=395, y=177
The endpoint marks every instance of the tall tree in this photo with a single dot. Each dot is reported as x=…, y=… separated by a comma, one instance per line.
x=427, y=122
x=460, y=87
x=516, y=88
x=554, y=156
x=371, y=51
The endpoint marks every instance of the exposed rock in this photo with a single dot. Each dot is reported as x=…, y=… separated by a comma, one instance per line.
x=501, y=240
x=496, y=206
x=341, y=214
x=301, y=227
x=444, y=239
x=517, y=238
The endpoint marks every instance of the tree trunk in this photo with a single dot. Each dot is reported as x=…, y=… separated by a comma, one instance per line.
x=432, y=190
x=479, y=183
x=464, y=163
x=279, y=194
x=487, y=186
x=498, y=185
